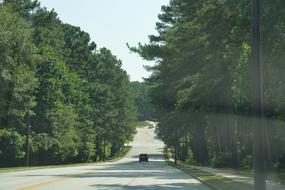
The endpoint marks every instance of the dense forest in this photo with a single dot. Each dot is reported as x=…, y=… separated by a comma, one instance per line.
x=199, y=84
x=145, y=108
x=62, y=100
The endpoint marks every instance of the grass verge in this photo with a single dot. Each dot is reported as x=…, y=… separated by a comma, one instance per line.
x=278, y=177
x=25, y=168
x=141, y=124
x=121, y=155
x=214, y=181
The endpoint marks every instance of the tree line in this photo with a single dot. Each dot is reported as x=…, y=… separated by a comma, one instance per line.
x=199, y=84
x=61, y=97
x=145, y=109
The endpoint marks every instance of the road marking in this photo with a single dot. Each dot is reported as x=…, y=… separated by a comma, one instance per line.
x=51, y=181
x=45, y=182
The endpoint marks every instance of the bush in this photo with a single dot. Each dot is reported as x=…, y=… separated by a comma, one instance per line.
x=223, y=159
x=190, y=158
x=11, y=147
x=281, y=163
x=183, y=153
x=246, y=162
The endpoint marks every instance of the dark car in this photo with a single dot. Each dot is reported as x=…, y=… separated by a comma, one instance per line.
x=143, y=157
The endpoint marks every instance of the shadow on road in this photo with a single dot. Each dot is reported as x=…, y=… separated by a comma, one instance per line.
x=151, y=157
x=169, y=186
x=131, y=169
x=131, y=174
x=127, y=173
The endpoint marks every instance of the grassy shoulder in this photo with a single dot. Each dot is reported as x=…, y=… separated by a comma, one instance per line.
x=216, y=182
x=278, y=177
x=25, y=168
x=141, y=124
x=120, y=156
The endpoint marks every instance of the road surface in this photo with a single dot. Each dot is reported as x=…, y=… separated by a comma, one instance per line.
x=126, y=174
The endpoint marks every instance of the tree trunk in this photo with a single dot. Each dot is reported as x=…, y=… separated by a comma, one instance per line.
x=198, y=143
x=256, y=100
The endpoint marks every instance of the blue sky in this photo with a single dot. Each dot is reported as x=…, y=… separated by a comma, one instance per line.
x=112, y=24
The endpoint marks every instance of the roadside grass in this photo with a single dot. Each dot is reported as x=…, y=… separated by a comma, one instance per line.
x=26, y=168
x=278, y=177
x=120, y=156
x=214, y=181
x=243, y=172
x=167, y=156
x=141, y=124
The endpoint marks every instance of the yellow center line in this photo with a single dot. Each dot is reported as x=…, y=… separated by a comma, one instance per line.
x=50, y=181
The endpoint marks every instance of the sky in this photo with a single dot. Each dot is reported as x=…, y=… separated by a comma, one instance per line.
x=112, y=24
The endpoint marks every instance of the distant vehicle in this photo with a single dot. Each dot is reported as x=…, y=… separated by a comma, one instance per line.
x=143, y=157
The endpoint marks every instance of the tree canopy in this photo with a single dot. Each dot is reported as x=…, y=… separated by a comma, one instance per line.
x=143, y=102
x=199, y=85
x=74, y=99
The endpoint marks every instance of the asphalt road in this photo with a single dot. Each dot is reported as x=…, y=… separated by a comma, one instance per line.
x=127, y=173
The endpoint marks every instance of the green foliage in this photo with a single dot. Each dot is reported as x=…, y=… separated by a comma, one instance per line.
x=246, y=162
x=11, y=146
x=223, y=159
x=199, y=86
x=18, y=81
x=76, y=99
x=140, y=91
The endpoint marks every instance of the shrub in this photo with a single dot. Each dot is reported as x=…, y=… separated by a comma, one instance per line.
x=246, y=162
x=223, y=159
x=11, y=147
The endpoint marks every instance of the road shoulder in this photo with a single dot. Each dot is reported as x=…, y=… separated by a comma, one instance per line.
x=219, y=179
x=30, y=168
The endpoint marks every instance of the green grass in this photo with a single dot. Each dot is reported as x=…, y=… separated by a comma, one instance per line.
x=120, y=156
x=278, y=177
x=25, y=168
x=167, y=155
x=141, y=124
x=217, y=182
x=244, y=172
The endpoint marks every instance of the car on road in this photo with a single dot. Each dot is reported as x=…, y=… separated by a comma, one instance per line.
x=143, y=157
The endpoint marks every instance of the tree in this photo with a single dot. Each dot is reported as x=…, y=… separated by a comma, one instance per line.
x=140, y=91
x=67, y=100
x=18, y=79
x=200, y=87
